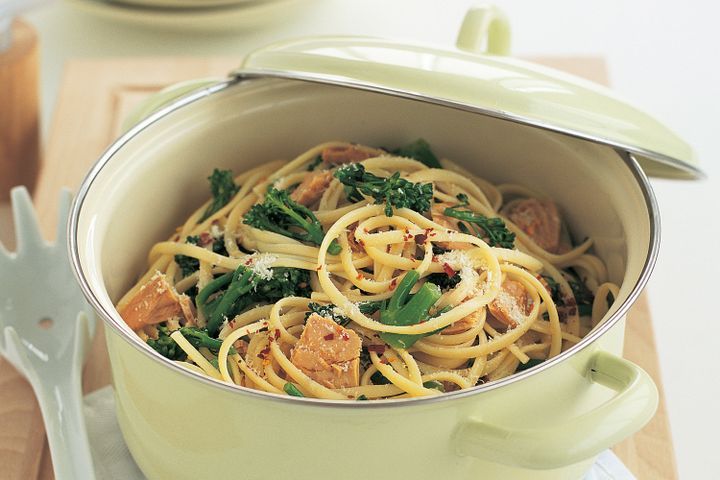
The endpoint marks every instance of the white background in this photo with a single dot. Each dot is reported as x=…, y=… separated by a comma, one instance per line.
x=662, y=54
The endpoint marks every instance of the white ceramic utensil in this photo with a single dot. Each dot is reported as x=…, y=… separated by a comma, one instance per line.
x=46, y=331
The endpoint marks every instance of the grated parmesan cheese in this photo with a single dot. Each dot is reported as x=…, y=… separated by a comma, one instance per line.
x=456, y=259
x=216, y=232
x=262, y=264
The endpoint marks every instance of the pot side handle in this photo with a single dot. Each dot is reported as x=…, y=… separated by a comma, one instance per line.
x=164, y=97
x=485, y=30
x=575, y=439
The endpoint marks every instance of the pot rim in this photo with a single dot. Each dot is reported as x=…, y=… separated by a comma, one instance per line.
x=110, y=318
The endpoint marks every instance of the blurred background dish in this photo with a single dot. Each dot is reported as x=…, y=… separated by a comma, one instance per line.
x=183, y=4
x=234, y=15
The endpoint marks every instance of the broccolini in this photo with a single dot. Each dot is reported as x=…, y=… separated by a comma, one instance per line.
x=282, y=215
x=394, y=191
x=420, y=151
x=223, y=189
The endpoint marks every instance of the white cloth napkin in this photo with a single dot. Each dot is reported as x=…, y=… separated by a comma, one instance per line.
x=113, y=461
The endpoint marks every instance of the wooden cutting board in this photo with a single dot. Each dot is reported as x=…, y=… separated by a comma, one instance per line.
x=95, y=96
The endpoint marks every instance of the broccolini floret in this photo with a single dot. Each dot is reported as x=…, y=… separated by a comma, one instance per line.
x=197, y=337
x=223, y=189
x=493, y=230
x=245, y=288
x=190, y=265
x=420, y=151
x=281, y=214
x=443, y=280
x=393, y=191
x=330, y=311
x=165, y=345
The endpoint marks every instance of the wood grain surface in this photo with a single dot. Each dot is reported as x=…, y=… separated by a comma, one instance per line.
x=19, y=114
x=95, y=96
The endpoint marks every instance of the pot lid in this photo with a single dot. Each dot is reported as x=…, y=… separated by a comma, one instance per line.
x=478, y=76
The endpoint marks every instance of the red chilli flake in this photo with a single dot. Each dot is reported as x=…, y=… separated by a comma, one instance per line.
x=277, y=333
x=420, y=238
x=379, y=349
x=264, y=353
x=393, y=284
x=387, y=248
x=248, y=261
x=329, y=336
x=344, y=335
x=360, y=276
x=449, y=270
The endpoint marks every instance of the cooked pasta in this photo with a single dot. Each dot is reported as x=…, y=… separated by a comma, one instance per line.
x=354, y=272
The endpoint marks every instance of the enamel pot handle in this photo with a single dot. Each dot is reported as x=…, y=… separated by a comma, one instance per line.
x=163, y=98
x=485, y=30
x=575, y=439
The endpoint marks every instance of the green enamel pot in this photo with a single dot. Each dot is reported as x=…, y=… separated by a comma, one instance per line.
x=504, y=120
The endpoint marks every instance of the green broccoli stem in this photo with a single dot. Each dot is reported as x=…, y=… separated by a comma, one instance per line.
x=415, y=311
x=242, y=283
x=210, y=288
x=198, y=338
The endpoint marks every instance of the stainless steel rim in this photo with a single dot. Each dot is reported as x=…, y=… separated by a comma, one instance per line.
x=111, y=318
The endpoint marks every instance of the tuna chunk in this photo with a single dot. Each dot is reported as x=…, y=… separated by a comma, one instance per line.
x=156, y=302
x=328, y=353
x=462, y=325
x=511, y=304
x=312, y=187
x=341, y=155
x=540, y=220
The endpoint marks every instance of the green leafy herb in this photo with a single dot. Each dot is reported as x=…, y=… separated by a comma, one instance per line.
x=393, y=191
x=420, y=151
x=223, y=189
x=282, y=215
x=493, y=230
x=362, y=397
x=406, y=309
x=292, y=390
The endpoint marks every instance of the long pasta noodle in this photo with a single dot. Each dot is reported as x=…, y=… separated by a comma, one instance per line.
x=268, y=305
